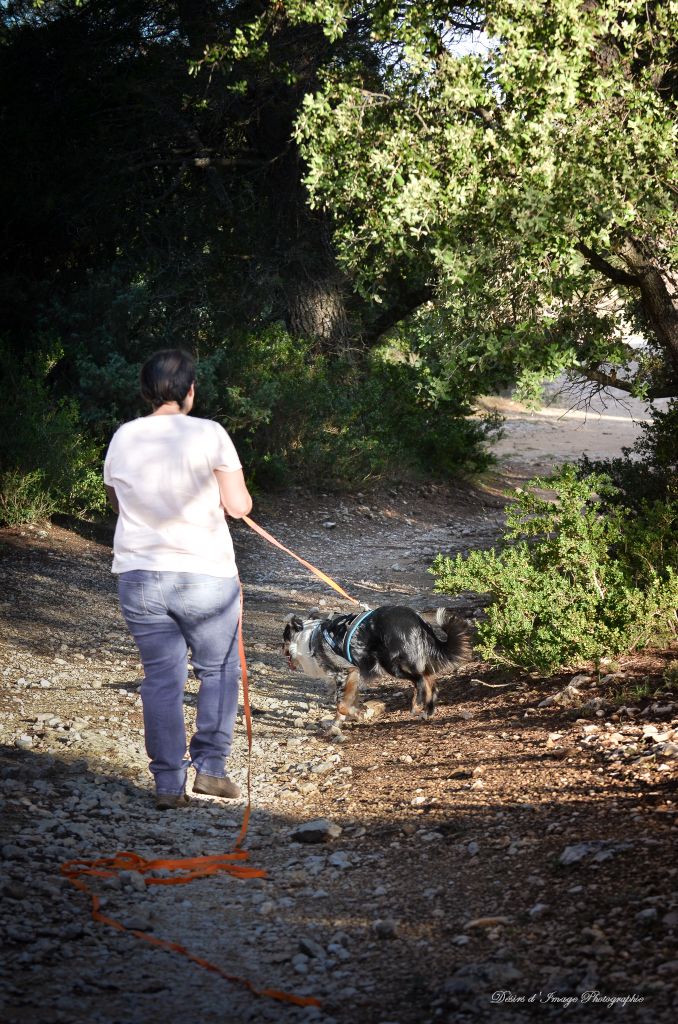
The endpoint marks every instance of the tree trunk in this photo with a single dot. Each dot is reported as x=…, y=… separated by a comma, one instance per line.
x=316, y=307
x=659, y=296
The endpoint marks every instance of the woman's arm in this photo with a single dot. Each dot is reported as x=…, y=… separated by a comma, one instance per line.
x=112, y=498
x=235, y=498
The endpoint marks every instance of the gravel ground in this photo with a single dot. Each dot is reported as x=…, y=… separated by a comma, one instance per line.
x=513, y=858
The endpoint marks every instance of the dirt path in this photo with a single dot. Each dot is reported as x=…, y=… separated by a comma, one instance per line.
x=499, y=862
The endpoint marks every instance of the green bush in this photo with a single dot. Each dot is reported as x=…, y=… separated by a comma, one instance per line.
x=48, y=463
x=649, y=469
x=300, y=417
x=573, y=580
x=24, y=498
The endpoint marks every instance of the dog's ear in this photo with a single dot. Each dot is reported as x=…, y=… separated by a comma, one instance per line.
x=295, y=623
x=314, y=613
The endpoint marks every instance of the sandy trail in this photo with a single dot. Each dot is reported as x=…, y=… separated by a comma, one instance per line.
x=571, y=423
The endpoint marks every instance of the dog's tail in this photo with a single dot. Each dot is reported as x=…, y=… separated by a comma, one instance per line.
x=456, y=647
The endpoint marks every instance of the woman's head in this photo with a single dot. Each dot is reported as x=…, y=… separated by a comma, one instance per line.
x=167, y=376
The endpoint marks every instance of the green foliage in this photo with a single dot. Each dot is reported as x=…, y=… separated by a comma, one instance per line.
x=524, y=178
x=572, y=582
x=304, y=417
x=47, y=462
x=24, y=498
x=648, y=471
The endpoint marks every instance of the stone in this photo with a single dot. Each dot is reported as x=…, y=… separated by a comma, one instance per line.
x=483, y=976
x=300, y=963
x=311, y=948
x=385, y=928
x=340, y=860
x=486, y=922
x=375, y=709
x=598, y=849
x=320, y=830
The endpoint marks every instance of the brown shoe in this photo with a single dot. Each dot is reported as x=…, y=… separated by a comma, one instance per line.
x=169, y=801
x=212, y=785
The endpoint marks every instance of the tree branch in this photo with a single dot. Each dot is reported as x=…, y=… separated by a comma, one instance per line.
x=615, y=274
x=610, y=380
x=402, y=307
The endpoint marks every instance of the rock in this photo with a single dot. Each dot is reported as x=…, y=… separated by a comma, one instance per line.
x=484, y=976
x=430, y=837
x=300, y=963
x=486, y=922
x=375, y=709
x=646, y=917
x=340, y=860
x=311, y=948
x=538, y=910
x=134, y=879
x=472, y=848
x=24, y=742
x=320, y=830
x=139, y=920
x=385, y=928
x=598, y=849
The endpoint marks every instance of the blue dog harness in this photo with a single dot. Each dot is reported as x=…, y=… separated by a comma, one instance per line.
x=343, y=631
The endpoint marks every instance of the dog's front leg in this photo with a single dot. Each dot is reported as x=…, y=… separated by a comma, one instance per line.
x=346, y=704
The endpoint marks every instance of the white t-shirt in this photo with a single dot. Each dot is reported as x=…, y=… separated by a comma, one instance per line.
x=171, y=519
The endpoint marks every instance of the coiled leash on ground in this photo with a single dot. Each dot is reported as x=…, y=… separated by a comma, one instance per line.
x=188, y=869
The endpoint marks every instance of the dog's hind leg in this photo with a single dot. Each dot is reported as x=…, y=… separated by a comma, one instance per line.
x=346, y=704
x=424, y=696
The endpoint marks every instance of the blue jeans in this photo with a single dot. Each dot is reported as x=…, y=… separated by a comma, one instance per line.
x=167, y=613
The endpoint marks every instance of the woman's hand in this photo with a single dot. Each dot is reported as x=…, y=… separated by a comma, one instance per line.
x=235, y=498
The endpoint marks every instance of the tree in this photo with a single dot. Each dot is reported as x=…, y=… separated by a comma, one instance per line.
x=531, y=183
x=145, y=204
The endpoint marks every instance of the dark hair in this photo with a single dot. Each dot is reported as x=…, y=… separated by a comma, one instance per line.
x=167, y=376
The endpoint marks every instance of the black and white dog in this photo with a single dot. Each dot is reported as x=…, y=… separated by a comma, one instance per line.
x=391, y=640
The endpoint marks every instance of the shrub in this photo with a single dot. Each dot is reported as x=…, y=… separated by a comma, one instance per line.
x=299, y=416
x=47, y=462
x=306, y=418
x=24, y=498
x=573, y=580
x=649, y=469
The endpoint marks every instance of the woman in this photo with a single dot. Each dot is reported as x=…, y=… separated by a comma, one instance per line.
x=172, y=478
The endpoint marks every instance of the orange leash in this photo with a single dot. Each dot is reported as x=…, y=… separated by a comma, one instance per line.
x=188, y=870
x=316, y=572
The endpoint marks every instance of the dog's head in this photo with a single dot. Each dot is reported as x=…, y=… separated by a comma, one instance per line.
x=295, y=645
x=294, y=625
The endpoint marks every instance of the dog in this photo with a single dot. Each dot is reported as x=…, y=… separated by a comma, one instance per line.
x=391, y=640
